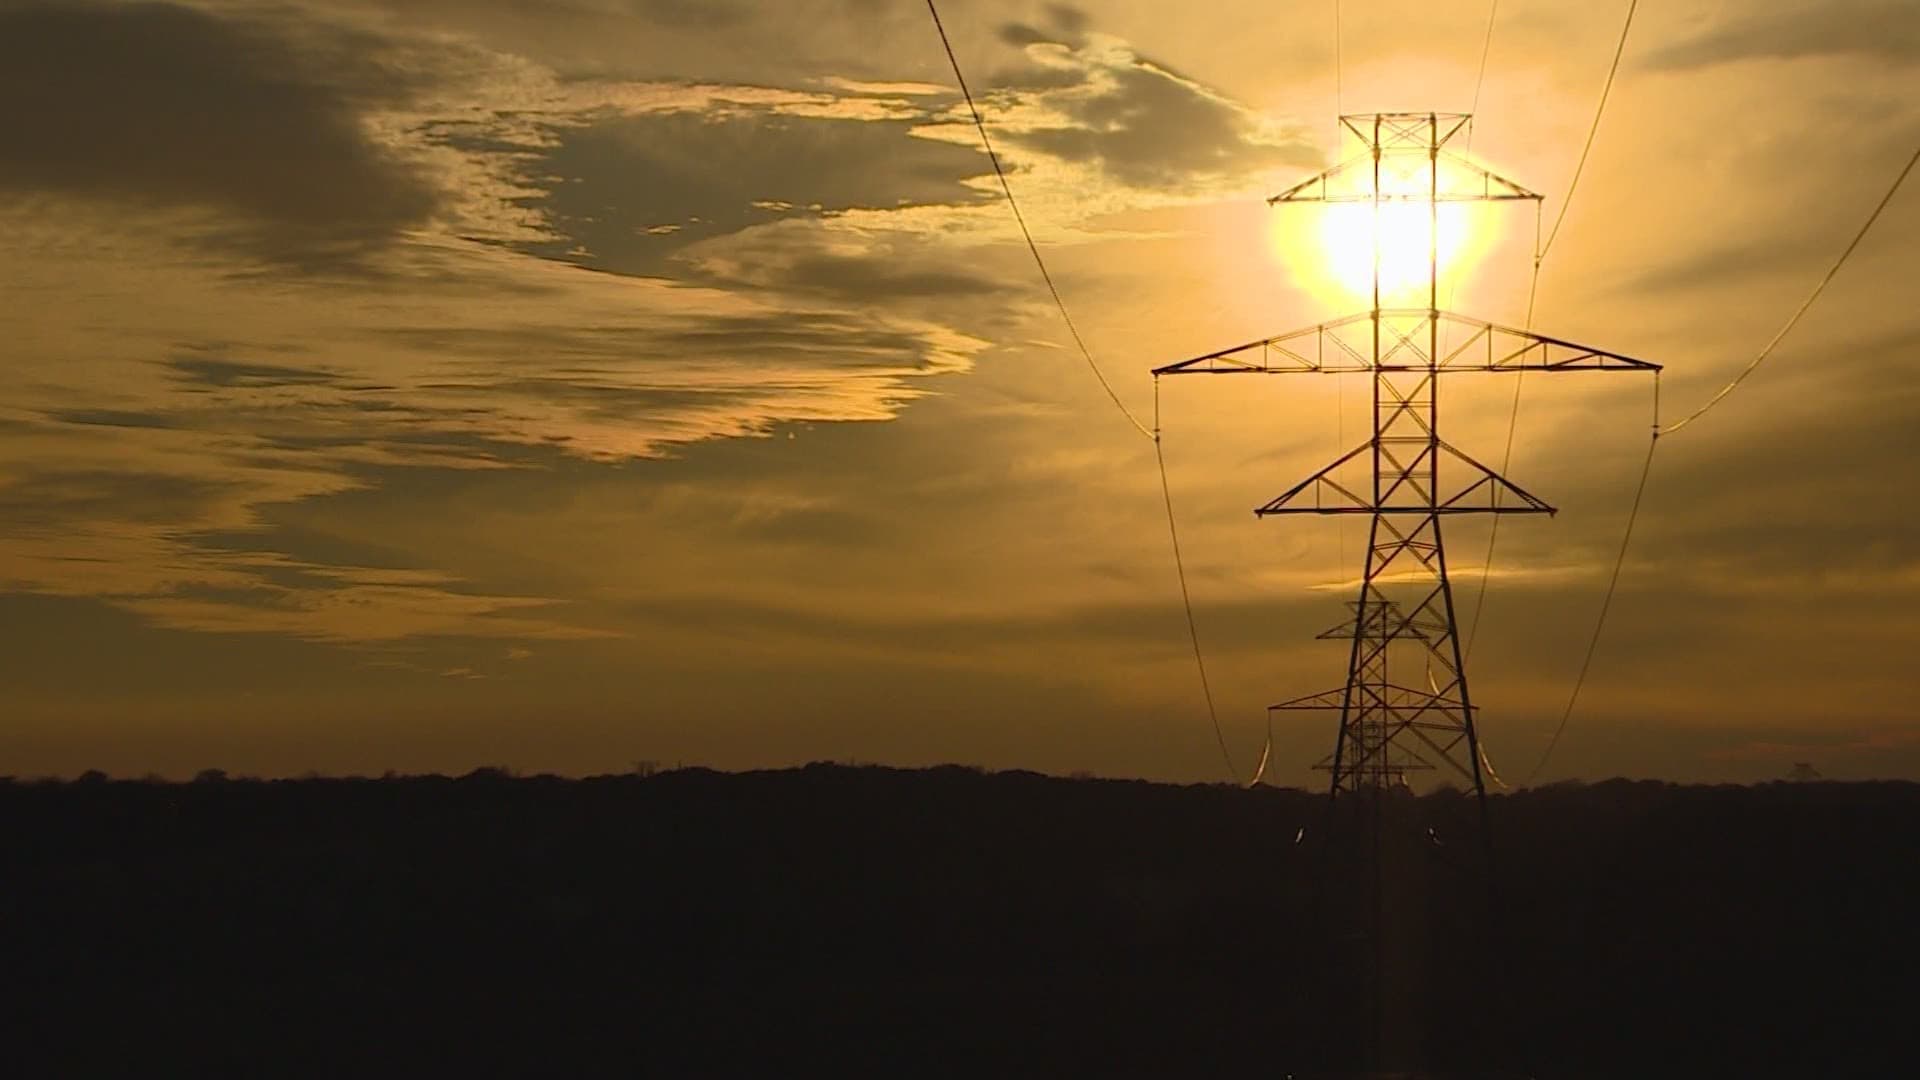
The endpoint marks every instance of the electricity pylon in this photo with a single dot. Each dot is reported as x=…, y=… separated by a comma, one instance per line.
x=1405, y=704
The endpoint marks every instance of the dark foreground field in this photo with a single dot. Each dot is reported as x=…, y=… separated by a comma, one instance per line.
x=945, y=921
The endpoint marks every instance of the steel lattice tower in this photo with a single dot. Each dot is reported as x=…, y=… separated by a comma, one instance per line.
x=1405, y=703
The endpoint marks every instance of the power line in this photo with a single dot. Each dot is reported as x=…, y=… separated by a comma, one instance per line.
x=1339, y=79
x=1506, y=453
x=1606, y=602
x=1473, y=110
x=1669, y=429
x=1533, y=287
x=980, y=123
x=1605, y=89
x=1173, y=530
x=1658, y=430
x=1453, y=288
x=1540, y=251
x=1186, y=601
x=1493, y=12
x=1806, y=304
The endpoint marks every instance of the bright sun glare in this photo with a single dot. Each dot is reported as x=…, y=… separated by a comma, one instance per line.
x=1329, y=247
x=1346, y=233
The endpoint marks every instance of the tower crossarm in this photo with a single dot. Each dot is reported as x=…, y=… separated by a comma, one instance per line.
x=1400, y=163
x=1403, y=699
x=1489, y=346
x=1381, y=619
x=1345, y=346
x=1399, y=711
x=1351, y=182
x=1409, y=488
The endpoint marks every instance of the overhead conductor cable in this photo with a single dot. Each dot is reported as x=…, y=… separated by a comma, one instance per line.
x=1533, y=287
x=1173, y=532
x=1658, y=431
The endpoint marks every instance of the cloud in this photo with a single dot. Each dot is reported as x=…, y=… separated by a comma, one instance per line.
x=149, y=465
x=213, y=371
x=1885, y=30
x=885, y=89
x=161, y=434
x=615, y=184
x=881, y=279
x=1815, y=745
x=727, y=40
x=150, y=520
x=254, y=135
x=43, y=498
x=1089, y=98
x=1795, y=223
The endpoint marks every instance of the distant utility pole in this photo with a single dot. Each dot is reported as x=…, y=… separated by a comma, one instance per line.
x=1404, y=705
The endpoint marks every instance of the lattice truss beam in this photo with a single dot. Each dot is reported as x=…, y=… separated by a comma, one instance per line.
x=1383, y=715
x=1346, y=346
x=1402, y=622
x=1413, y=165
x=1410, y=483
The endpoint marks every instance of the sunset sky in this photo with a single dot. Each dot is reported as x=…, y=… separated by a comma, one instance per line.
x=557, y=384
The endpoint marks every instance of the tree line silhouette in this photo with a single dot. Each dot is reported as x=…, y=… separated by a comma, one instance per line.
x=950, y=921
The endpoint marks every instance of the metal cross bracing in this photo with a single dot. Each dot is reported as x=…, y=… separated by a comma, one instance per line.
x=1405, y=712
x=1405, y=705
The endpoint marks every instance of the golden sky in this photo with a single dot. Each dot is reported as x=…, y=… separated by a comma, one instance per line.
x=564, y=383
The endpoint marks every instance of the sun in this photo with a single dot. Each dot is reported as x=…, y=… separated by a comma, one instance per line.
x=1331, y=252
x=1330, y=248
x=1403, y=235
